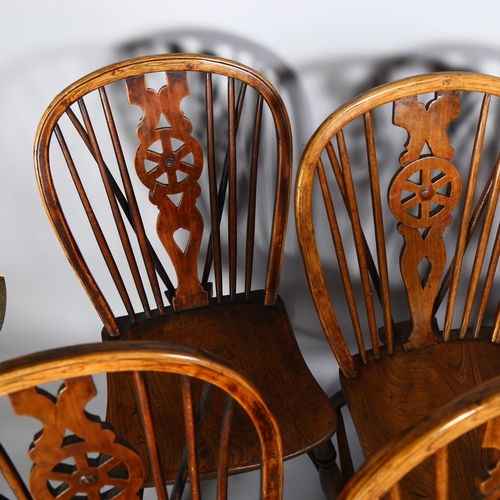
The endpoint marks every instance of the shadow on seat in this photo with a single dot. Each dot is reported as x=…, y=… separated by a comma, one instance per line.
x=79, y=455
x=428, y=445
x=422, y=190
x=213, y=161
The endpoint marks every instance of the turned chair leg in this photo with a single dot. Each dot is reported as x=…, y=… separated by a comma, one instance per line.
x=324, y=458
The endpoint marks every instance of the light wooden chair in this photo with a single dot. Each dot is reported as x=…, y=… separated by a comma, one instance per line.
x=177, y=170
x=370, y=193
x=428, y=444
x=78, y=455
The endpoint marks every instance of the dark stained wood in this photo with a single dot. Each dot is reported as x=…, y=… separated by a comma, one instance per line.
x=101, y=458
x=439, y=211
x=207, y=152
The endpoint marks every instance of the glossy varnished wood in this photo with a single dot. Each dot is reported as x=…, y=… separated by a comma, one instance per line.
x=432, y=198
x=66, y=416
x=470, y=418
x=213, y=160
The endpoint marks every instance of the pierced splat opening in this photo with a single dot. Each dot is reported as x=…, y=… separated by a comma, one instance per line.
x=120, y=471
x=155, y=80
x=150, y=165
x=424, y=270
x=65, y=467
x=163, y=179
x=108, y=492
x=97, y=459
x=435, y=208
x=176, y=144
x=156, y=147
x=181, y=175
x=181, y=237
x=426, y=150
x=175, y=198
x=57, y=488
x=162, y=122
x=188, y=159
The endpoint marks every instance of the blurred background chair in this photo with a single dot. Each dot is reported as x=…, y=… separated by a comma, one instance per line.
x=428, y=445
x=77, y=454
x=237, y=48
x=211, y=146
x=399, y=173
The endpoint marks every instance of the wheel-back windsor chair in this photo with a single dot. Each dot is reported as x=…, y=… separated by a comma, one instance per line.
x=78, y=455
x=432, y=438
x=409, y=340
x=213, y=173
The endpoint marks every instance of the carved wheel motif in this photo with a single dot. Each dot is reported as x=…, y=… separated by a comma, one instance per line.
x=422, y=197
x=169, y=161
x=79, y=469
x=428, y=201
x=76, y=454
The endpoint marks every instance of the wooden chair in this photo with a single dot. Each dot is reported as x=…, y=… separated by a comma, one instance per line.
x=77, y=453
x=429, y=444
x=219, y=189
x=407, y=340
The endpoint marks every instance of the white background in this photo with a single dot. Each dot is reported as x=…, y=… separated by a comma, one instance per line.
x=334, y=47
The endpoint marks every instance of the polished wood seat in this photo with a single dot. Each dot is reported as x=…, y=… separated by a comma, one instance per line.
x=167, y=180
x=406, y=172
x=79, y=455
x=472, y=419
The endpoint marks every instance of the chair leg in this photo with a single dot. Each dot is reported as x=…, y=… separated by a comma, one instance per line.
x=345, y=458
x=330, y=477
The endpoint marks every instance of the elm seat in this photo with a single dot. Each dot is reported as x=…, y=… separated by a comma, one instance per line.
x=429, y=443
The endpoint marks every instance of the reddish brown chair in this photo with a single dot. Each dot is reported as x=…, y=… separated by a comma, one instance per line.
x=185, y=189
x=407, y=340
x=78, y=455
